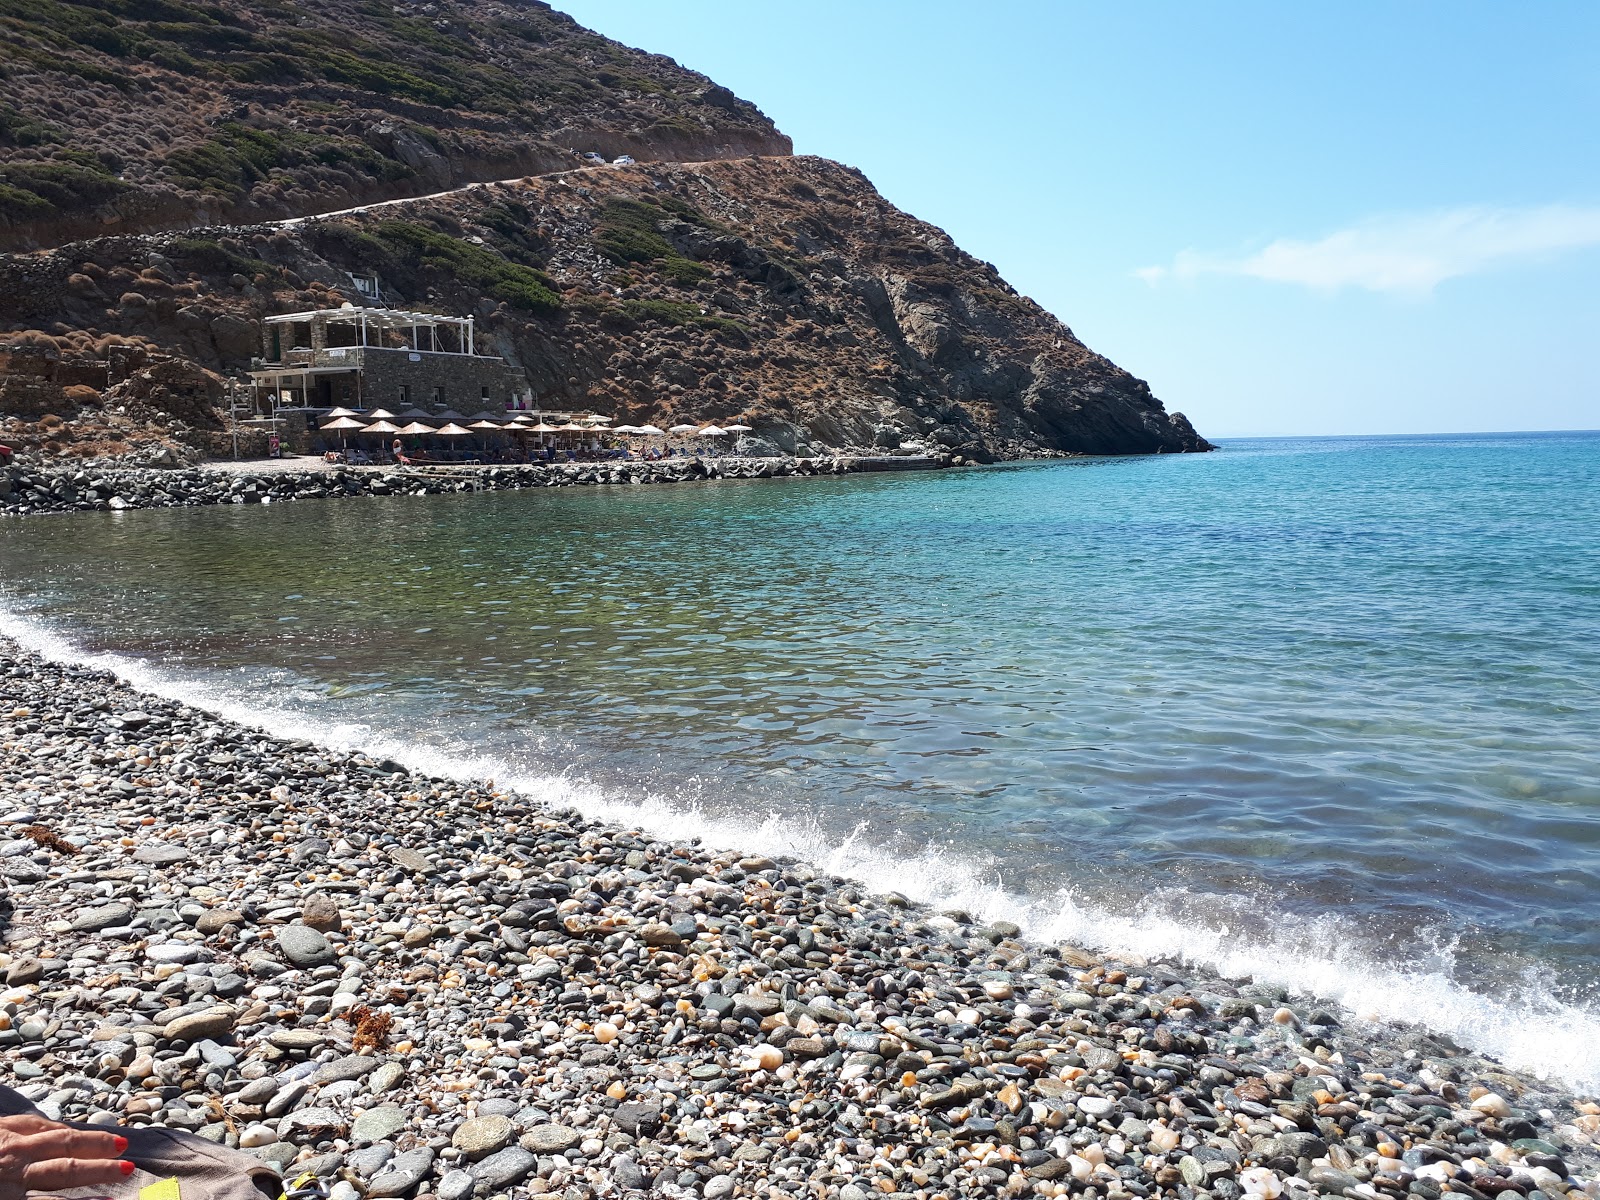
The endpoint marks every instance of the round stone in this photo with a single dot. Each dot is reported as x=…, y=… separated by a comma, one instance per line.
x=482, y=1136
x=378, y=1124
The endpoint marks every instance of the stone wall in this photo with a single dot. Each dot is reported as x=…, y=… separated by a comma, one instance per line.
x=461, y=379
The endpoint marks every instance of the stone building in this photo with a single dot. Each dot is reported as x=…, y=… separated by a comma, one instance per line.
x=381, y=358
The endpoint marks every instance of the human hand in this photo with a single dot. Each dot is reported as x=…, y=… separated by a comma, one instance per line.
x=37, y=1155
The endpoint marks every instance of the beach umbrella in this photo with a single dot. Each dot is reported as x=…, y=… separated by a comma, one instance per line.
x=380, y=414
x=626, y=429
x=485, y=425
x=450, y=414
x=713, y=431
x=651, y=431
x=682, y=429
x=573, y=427
x=412, y=414
x=382, y=427
x=738, y=428
x=341, y=412
x=344, y=425
x=452, y=430
x=543, y=427
x=416, y=427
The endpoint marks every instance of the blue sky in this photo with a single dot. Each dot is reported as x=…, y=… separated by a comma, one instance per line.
x=1362, y=218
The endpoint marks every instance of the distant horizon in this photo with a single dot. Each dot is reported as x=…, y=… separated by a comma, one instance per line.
x=1330, y=223
x=1262, y=437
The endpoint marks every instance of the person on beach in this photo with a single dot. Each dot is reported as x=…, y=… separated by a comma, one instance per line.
x=45, y=1157
x=38, y=1155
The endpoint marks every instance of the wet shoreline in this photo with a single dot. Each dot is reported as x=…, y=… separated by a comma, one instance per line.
x=590, y=1010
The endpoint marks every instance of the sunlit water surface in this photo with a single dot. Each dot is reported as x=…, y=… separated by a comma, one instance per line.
x=1321, y=711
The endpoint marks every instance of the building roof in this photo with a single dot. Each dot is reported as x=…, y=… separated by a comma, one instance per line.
x=376, y=318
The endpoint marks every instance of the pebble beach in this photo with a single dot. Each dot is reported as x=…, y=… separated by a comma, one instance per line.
x=35, y=490
x=424, y=986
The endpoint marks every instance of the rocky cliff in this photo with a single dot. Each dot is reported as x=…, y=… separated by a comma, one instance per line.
x=130, y=115
x=707, y=282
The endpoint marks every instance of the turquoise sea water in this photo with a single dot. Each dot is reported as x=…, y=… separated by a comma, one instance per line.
x=1322, y=711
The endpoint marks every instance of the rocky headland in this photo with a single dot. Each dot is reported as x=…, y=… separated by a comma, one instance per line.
x=415, y=985
x=185, y=172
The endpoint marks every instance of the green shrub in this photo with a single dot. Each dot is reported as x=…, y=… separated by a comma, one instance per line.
x=668, y=312
x=519, y=286
x=35, y=188
x=20, y=204
x=682, y=271
x=19, y=130
x=348, y=245
x=230, y=163
x=241, y=156
x=627, y=233
x=675, y=312
x=205, y=255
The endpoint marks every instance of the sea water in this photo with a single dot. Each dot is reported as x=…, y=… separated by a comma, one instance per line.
x=1322, y=712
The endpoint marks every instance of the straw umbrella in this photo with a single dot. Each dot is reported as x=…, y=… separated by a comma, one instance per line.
x=336, y=413
x=344, y=425
x=381, y=414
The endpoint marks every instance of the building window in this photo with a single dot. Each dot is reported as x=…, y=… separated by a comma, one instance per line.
x=438, y=395
x=405, y=394
x=485, y=393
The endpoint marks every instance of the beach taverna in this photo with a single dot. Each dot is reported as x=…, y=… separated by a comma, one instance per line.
x=360, y=357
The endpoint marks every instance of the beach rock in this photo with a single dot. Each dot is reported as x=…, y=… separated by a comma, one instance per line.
x=322, y=1121
x=501, y=1170
x=160, y=854
x=403, y=1172
x=550, y=1139
x=483, y=1136
x=351, y=1066
x=106, y=916
x=378, y=1124
x=411, y=860
x=638, y=1119
x=304, y=946
x=24, y=971
x=215, y=920
x=320, y=912
x=210, y=1023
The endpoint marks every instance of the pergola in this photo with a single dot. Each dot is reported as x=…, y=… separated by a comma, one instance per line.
x=410, y=325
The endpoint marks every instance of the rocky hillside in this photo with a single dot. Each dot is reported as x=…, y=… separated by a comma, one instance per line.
x=719, y=278
x=128, y=115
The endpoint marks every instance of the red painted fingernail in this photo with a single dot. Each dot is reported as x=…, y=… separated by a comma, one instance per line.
x=127, y=1167
x=122, y=1143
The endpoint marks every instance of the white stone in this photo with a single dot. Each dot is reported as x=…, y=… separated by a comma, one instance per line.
x=257, y=1135
x=1492, y=1104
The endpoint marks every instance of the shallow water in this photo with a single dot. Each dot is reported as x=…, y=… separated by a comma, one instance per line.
x=1323, y=711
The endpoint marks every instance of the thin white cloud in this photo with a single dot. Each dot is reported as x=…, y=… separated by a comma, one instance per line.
x=1407, y=254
